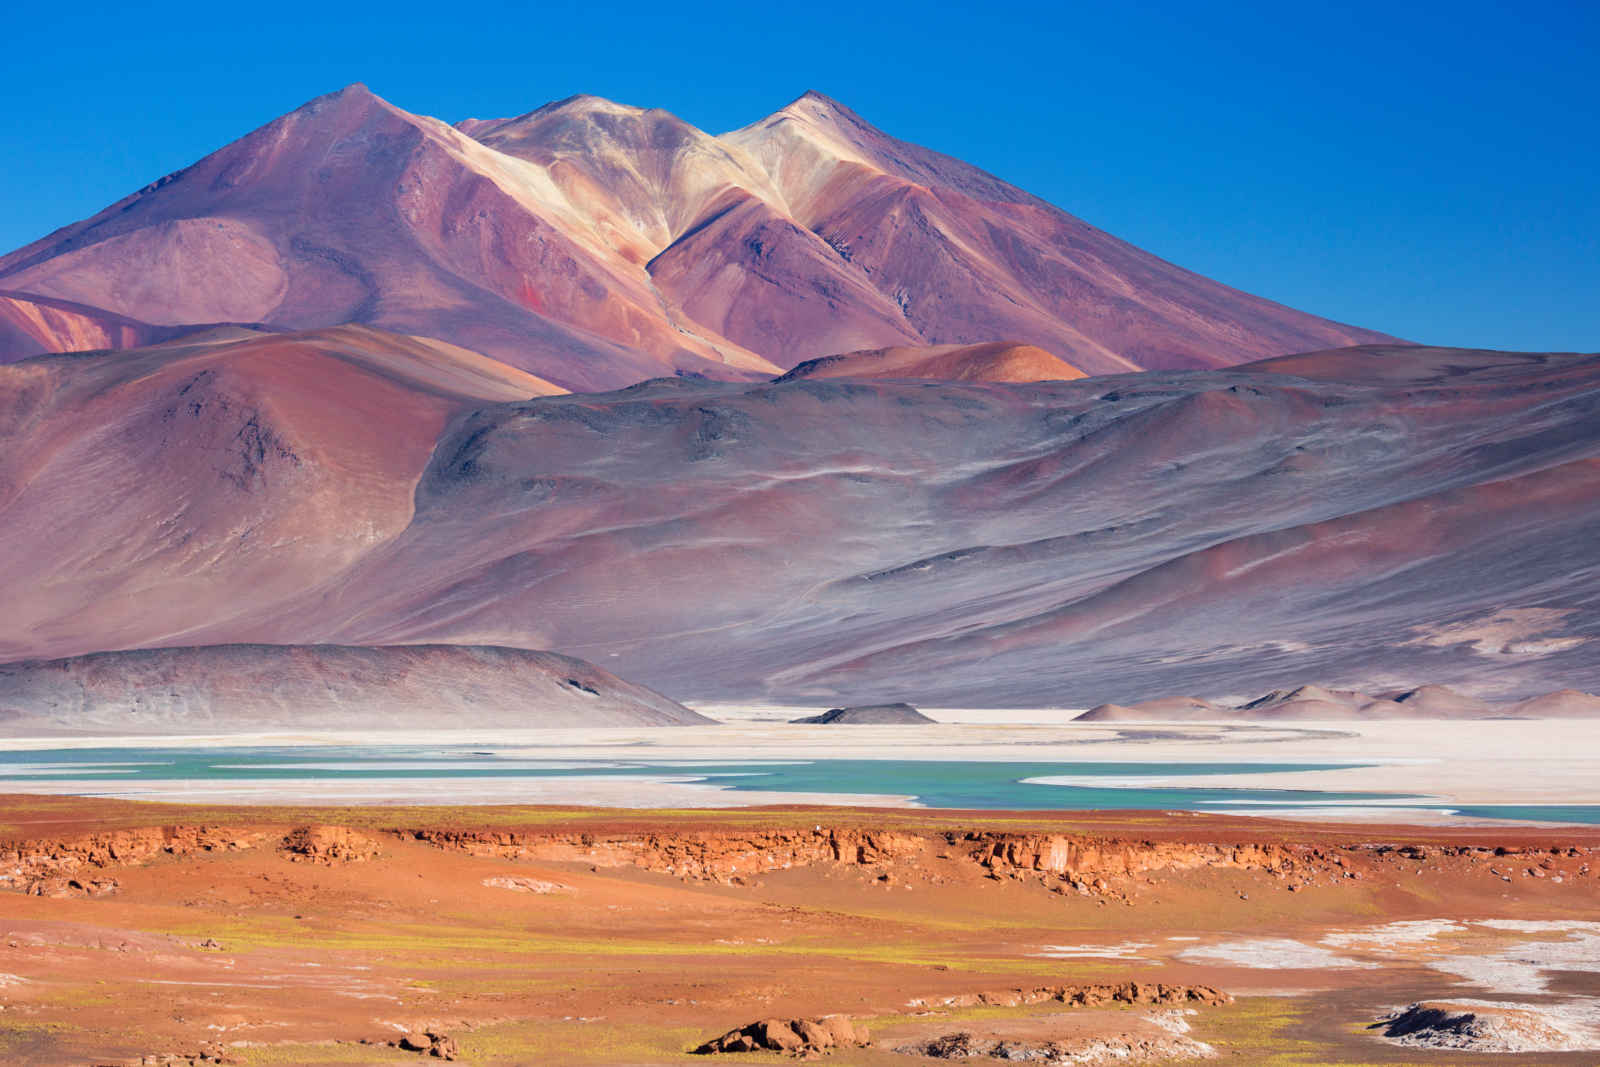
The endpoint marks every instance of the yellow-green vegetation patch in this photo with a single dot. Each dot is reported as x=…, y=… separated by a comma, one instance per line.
x=241, y=933
x=597, y=1041
x=77, y=997
x=32, y=1027
x=319, y=1054
x=1264, y=1032
x=22, y=1041
x=985, y=1013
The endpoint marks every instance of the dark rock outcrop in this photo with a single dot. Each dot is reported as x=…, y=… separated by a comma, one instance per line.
x=1477, y=1026
x=869, y=715
x=799, y=1037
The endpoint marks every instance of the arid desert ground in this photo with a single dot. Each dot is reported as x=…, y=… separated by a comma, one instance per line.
x=492, y=922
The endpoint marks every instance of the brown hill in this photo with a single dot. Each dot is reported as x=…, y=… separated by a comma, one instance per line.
x=997, y=361
x=1562, y=704
x=1429, y=702
x=246, y=687
x=1348, y=698
x=1161, y=709
x=1316, y=704
x=596, y=245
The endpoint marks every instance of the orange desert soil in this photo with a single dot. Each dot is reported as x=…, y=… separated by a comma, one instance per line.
x=167, y=934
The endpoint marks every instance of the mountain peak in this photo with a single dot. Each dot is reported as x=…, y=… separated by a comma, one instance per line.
x=354, y=93
x=353, y=99
x=587, y=102
x=580, y=107
x=816, y=97
x=820, y=107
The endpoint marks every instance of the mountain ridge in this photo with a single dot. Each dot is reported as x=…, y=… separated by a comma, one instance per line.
x=596, y=244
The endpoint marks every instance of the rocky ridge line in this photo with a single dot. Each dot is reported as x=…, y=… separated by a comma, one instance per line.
x=1099, y=866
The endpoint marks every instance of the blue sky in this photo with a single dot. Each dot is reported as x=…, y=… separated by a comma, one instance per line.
x=1426, y=169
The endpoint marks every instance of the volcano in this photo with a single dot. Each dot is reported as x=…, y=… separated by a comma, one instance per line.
x=596, y=245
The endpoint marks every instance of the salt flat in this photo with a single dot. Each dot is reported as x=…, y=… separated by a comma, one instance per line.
x=1468, y=763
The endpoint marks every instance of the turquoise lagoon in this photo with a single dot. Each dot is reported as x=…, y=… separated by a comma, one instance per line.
x=977, y=785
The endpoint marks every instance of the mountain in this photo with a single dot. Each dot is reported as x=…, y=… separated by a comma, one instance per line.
x=351, y=210
x=1367, y=517
x=212, y=477
x=241, y=687
x=596, y=245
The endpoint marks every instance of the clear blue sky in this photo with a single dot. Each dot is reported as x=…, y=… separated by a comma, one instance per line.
x=1428, y=169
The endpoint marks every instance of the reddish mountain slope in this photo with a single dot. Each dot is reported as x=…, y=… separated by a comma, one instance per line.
x=151, y=491
x=597, y=245
x=1058, y=543
x=705, y=222
x=36, y=325
x=970, y=258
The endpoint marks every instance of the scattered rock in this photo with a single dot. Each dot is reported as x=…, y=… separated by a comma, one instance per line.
x=526, y=885
x=800, y=1037
x=1122, y=1048
x=328, y=845
x=957, y=1046
x=203, y=1057
x=1085, y=996
x=429, y=1042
